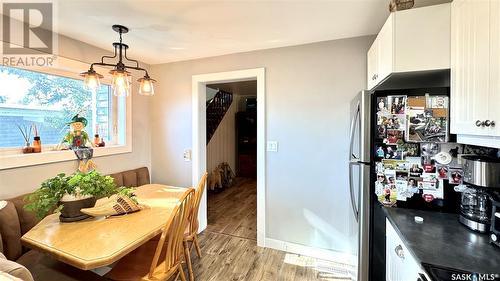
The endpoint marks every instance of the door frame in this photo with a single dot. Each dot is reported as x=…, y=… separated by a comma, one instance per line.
x=199, y=136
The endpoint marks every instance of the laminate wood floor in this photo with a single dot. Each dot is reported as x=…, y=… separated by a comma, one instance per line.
x=229, y=247
x=234, y=210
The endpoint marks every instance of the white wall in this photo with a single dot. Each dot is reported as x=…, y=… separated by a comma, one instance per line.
x=308, y=90
x=18, y=181
x=222, y=145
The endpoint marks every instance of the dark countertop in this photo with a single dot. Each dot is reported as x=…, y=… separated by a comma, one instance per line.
x=442, y=240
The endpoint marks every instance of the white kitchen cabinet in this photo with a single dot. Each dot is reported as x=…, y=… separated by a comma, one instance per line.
x=410, y=40
x=495, y=65
x=475, y=71
x=372, y=64
x=400, y=264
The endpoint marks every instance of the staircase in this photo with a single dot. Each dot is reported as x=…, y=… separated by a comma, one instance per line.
x=216, y=109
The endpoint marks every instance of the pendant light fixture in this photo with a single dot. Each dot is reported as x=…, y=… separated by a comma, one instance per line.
x=120, y=77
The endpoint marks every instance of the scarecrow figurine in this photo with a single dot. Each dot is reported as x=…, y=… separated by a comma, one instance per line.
x=77, y=139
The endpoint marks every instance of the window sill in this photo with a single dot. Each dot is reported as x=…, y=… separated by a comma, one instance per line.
x=31, y=159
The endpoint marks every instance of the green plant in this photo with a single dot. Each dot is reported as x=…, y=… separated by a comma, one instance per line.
x=47, y=197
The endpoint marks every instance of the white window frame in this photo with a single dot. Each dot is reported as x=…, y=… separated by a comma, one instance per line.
x=69, y=68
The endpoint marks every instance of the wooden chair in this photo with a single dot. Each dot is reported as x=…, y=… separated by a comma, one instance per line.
x=161, y=259
x=191, y=234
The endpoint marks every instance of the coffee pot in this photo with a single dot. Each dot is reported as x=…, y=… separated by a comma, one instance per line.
x=475, y=209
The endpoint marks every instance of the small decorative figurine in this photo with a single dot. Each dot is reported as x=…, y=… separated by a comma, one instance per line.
x=77, y=139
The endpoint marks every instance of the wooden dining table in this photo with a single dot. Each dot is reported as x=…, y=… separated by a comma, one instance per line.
x=97, y=242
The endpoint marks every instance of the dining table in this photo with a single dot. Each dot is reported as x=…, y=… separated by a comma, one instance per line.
x=101, y=241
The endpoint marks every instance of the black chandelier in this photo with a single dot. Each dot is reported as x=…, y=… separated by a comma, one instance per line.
x=120, y=82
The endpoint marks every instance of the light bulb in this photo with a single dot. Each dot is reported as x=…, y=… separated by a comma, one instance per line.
x=120, y=82
x=91, y=80
x=146, y=87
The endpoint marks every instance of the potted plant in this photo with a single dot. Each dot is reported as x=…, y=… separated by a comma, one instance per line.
x=69, y=194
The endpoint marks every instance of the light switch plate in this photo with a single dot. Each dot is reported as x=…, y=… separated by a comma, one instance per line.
x=187, y=155
x=272, y=146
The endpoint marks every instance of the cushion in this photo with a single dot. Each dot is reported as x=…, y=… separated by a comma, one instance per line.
x=27, y=219
x=118, y=177
x=143, y=176
x=1, y=244
x=130, y=178
x=10, y=231
x=14, y=269
x=44, y=268
x=7, y=277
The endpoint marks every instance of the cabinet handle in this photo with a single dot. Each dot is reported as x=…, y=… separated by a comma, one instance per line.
x=479, y=123
x=487, y=123
x=399, y=251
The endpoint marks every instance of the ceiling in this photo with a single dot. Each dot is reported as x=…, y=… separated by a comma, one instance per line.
x=167, y=31
x=243, y=88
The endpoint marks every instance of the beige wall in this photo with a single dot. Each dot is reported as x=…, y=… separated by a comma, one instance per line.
x=222, y=145
x=22, y=180
x=308, y=90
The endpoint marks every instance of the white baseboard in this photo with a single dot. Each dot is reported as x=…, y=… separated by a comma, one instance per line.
x=318, y=253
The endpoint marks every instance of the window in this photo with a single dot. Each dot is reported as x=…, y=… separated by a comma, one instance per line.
x=49, y=102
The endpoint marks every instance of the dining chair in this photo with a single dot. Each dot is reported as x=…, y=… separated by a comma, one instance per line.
x=191, y=234
x=161, y=259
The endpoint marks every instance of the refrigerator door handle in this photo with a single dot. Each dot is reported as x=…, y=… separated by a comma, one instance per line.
x=353, y=131
x=351, y=190
x=353, y=160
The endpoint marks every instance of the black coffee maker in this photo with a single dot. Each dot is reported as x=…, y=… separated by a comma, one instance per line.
x=495, y=219
x=482, y=177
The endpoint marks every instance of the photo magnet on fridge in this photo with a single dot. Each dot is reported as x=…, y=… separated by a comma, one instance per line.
x=411, y=149
x=442, y=171
x=428, y=122
x=455, y=176
x=416, y=170
x=397, y=104
x=398, y=165
x=383, y=106
x=394, y=136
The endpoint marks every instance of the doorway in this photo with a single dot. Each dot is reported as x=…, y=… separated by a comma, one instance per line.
x=199, y=152
x=231, y=116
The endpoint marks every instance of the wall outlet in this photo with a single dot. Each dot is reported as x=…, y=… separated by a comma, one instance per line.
x=272, y=146
x=187, y=155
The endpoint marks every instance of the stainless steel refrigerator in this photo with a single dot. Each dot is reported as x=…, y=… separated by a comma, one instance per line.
x=359, y=177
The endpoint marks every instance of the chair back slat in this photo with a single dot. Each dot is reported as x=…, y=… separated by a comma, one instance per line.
x=193, y=217
x=170, y=243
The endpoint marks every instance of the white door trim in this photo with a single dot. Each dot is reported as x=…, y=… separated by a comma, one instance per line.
x=199, y=153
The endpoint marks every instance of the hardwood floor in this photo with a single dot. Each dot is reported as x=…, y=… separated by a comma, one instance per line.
x=229, y=247
x=234, y=210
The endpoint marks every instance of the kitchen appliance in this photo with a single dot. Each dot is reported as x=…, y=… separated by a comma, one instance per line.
x=366, y=209
x=495, y=220
x=360, y=164
x=481, y=171
x=475, y=209
x=482, y=176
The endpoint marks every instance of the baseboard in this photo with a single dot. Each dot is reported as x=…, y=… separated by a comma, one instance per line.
x=318, y=253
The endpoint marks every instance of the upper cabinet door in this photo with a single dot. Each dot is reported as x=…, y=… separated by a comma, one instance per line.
x=386, y=49
x=494, y=109
x=470, y=67
x=372, y=65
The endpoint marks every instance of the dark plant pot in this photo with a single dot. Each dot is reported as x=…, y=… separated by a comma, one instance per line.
x=71, y=209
